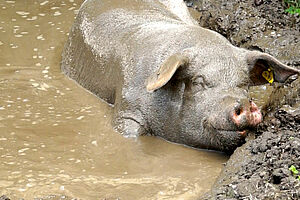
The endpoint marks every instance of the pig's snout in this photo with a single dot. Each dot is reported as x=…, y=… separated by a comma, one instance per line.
x=246, y=115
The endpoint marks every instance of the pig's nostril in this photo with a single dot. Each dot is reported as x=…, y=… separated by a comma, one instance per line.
x=237, y=115
x=238, y=111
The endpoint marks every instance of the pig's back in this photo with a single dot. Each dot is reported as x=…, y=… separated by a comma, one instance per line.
x=115, y=44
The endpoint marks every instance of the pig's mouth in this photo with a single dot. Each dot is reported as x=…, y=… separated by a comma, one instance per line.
x=227, y=140
x=230, y=134
x=239, y=133
x=227, y=131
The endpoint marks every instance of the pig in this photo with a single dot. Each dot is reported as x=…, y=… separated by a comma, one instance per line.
x=165, y=75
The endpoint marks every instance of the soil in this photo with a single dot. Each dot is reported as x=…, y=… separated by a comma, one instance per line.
x=260, y=168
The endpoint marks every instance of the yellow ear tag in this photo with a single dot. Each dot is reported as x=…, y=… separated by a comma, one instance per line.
x=268, y=75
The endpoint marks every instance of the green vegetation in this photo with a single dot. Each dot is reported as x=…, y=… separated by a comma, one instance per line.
x=292, y=6
x=293, y=170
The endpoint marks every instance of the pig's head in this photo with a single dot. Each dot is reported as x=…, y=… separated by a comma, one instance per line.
x=216, y=111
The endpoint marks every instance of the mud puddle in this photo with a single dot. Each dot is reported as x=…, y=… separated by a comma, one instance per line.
x=56, y=138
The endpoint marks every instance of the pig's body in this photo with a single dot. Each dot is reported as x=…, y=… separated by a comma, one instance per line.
x=165, y=75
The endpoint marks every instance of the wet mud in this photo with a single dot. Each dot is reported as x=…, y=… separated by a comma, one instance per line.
x=260, y=169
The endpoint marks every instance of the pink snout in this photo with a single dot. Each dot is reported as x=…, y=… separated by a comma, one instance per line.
x=247, y=115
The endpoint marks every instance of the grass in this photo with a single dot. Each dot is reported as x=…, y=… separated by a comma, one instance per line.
x=292, y=6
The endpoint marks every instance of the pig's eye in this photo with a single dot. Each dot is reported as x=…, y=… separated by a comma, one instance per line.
x=198, y=84
x=200, y=81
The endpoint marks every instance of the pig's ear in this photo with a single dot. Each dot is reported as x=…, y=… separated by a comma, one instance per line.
x=265, y=68
x=165, y=72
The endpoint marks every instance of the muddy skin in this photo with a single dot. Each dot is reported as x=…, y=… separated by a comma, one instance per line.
x=191, y=89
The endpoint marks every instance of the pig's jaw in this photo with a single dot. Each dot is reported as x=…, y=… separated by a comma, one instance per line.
x=227, y=140
x=224, y=139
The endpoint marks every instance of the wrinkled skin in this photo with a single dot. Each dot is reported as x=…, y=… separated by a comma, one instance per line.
x=165, y=75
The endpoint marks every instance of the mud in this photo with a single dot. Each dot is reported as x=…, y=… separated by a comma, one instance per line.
x=260, y=168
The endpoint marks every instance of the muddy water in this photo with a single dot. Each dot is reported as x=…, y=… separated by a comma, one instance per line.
x=56, y=138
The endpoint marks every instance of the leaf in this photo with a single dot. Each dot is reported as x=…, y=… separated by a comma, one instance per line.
x=293, y=170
